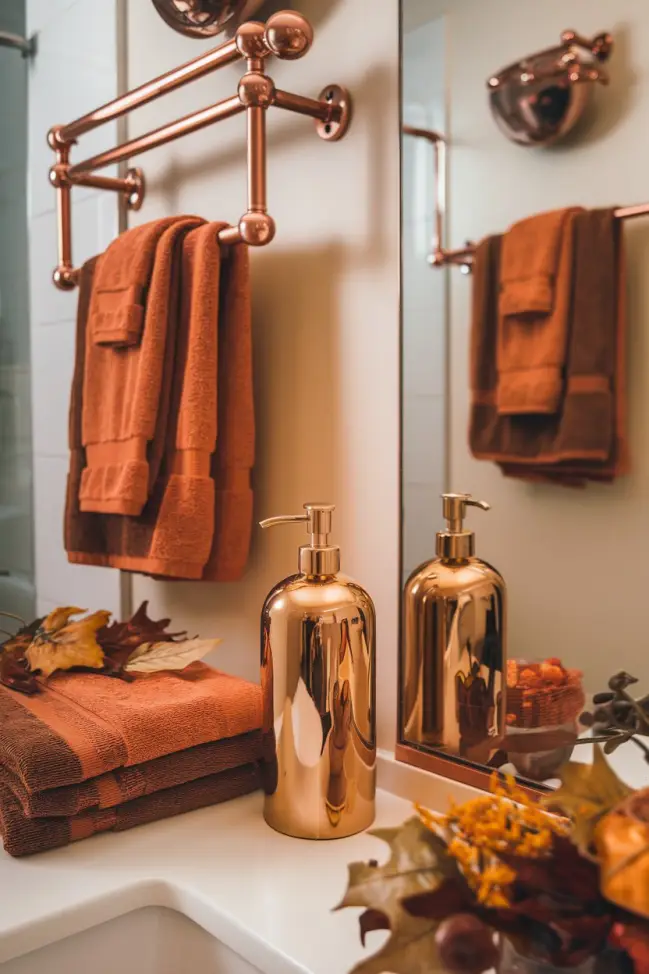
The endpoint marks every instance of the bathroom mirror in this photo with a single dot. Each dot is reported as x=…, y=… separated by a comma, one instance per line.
x=490, y=680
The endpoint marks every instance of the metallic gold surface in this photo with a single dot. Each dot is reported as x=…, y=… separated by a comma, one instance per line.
x=539, y=99
x=453, y=648
x=318, y=680
x=205, y=18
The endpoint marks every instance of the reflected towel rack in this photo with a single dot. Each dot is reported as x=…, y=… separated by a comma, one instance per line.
x=463, y=257
x=288, y=36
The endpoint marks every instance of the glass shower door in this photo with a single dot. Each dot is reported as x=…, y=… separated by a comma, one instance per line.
x=17, y=590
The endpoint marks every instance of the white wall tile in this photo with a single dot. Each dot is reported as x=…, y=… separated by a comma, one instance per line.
x=56, y=579
x=75, y=71
x=424, y=419
x=52, y=364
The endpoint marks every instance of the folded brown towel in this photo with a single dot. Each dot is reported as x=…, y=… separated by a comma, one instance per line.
x=127, y=784
x=83, y=725
x=587, y=439
x=534, y=312
x=126, y=393
x=121, y=285
x=154, y=542
x=24, y=836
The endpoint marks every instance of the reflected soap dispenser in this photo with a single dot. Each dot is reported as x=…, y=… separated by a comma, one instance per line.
x=318, y=683
x=453, y=646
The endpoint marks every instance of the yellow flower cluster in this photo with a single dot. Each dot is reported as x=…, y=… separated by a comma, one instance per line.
x=506, y=821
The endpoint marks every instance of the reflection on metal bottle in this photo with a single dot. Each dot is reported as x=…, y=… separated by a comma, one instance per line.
x=453, y=648
x=318, y=639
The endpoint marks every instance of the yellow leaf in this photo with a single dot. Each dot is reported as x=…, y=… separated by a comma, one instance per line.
x=152, y=657
x=59, y=617
x=62, y=645
x=418, y=863
x=587, y=793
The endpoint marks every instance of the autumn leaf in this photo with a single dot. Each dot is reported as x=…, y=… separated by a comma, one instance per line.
x=587, y=793
x=61, y=645
x=418, y=864
x=120, y=639
x=153, y=657
x=14, y=668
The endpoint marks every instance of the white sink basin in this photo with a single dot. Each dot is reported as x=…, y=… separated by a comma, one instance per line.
x=152, y=940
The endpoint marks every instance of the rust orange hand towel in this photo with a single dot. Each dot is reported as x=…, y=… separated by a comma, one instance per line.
x=24, y=836
x=587, y=439
x=83, y=725
x=122, y=281
x=126, y=392
x=212, y=404
x=536, y=279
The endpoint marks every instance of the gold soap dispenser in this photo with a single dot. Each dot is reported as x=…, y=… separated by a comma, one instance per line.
x=318, y=683
x=453, y=647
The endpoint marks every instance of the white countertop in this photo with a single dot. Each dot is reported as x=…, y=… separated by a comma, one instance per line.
x=266, y=896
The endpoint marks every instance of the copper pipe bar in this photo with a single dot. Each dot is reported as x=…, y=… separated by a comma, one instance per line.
x=190, y=71
x=308, y=106
x=430, y=134
x=231, y=235
x=102, y=182
x=167, y=133
x=628, y=212
x=256, y=159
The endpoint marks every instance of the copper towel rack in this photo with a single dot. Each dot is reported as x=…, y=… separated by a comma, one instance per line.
x=463, y=257
x=287, y=35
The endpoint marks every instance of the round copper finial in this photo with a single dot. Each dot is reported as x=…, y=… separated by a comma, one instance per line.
x=256, y=229
x=256, y=89
x=288, y=35
x=62, y=279
x=250, y=40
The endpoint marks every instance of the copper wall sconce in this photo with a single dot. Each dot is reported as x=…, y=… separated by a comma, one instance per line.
x=286, y=35
x=539, y=99
x=206, y=18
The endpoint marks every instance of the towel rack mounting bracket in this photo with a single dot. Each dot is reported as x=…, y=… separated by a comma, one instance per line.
x=286, y=35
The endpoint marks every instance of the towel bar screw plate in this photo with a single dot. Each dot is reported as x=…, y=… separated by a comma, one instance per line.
x=136, y=188
x=337, y=97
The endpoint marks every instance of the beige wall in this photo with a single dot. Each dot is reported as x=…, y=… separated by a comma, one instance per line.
x=325, y=310
x=575, y=561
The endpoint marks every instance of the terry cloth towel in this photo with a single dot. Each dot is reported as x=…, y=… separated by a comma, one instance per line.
x=126, y=784
x=153, y=542
x=126, y=392
x=24, y=836
x=83, y=725
x=121, y=285
x=587, y=439
x=534, y=312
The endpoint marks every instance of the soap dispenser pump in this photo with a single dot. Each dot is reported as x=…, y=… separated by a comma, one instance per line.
x=318, y=683
x=453, y=648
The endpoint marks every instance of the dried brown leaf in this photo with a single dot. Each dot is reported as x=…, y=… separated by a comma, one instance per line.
x=587, y=793
x=153, y=657
x=120, y=639
x=63, y=645
x=418, y=864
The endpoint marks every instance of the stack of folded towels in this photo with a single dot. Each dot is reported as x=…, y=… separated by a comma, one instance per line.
x=548, y=389
x=93, y=754
x=161, y=428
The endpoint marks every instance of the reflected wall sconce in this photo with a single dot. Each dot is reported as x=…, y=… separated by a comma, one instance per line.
x=539, y=99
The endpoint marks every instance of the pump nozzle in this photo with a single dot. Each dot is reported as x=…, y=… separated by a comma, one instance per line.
x=318, y=557
x=455, y=542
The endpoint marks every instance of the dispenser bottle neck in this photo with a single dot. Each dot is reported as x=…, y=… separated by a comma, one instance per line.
x=455, y=543
x=319, y=557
